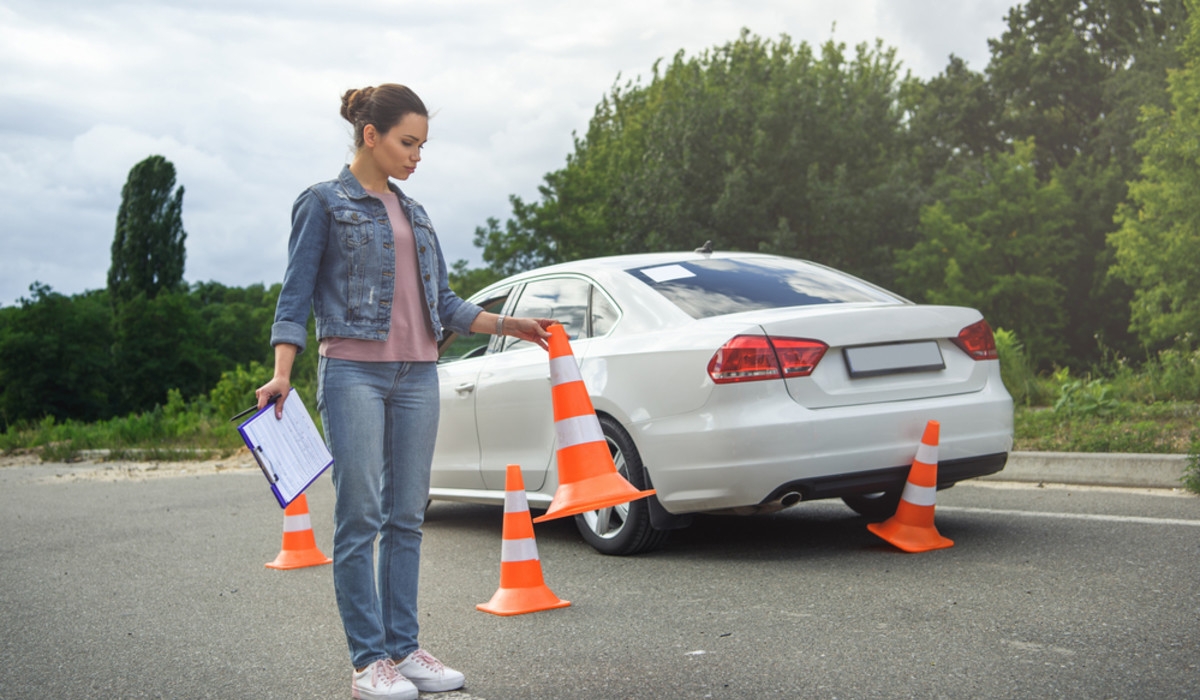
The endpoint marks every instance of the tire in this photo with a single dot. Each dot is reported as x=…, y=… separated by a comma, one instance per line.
x=874, y=506
x=622, y=529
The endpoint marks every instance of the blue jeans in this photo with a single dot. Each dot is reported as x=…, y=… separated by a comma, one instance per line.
x=380, y=422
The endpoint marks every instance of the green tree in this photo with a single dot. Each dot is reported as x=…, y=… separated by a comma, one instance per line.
x=995, y=243
x=466, y=281
x=148, y=248
x=1072, y=75
x=160, y=344
x=953, y=120
x=755, y=145
x=54, y=357
x=236, y=321
x=186, y=340
x=1158, y=244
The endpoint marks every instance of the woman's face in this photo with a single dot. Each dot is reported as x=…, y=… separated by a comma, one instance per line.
x=398, y=151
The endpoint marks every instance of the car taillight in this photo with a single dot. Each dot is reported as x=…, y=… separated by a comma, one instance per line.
x=748, y=358
x=977, y=341
x=798, y=357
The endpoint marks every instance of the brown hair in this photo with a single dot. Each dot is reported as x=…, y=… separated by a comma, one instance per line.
x=382, y=107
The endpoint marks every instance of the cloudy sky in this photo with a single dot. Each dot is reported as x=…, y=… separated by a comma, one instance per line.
x=243, y=98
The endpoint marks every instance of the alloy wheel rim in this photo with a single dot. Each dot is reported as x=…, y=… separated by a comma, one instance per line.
x=607, y=523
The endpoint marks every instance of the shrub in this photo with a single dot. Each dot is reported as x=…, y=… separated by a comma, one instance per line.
x=1171, y=375
x=1176, y=374
x=1191, y=473
x=1079, y=397
x=235, y=390
x=1018, y=374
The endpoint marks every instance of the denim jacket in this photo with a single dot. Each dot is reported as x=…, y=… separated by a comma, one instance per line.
x=341, y=263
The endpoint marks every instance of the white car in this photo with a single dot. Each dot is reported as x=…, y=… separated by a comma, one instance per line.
x=729, y=382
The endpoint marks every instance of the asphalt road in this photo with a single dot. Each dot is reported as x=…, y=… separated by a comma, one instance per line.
x=156, y=588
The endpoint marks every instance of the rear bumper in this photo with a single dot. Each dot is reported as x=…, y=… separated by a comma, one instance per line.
x=949, y=472
x=749, y=453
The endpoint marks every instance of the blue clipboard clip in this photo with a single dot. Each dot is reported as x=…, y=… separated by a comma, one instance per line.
x=262, y=463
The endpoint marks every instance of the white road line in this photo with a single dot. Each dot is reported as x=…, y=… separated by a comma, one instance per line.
x=1073, y=516
x=1051, y=486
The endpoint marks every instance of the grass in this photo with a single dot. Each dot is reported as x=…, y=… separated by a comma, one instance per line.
x=155, y=436
x=1164, y=427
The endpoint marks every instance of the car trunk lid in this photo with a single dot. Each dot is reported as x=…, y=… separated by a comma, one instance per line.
x=879, y=353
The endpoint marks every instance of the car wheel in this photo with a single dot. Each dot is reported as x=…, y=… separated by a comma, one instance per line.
x=625, y=528
x=874, y=506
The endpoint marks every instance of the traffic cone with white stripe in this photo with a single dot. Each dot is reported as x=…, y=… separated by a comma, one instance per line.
x=911, y=528
x=522, y=588
x=587, y=477
x=299, y=545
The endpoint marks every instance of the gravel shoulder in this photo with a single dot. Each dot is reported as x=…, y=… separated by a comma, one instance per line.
x=99, y=469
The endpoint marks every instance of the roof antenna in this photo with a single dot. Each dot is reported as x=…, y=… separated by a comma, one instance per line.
x=705, y=249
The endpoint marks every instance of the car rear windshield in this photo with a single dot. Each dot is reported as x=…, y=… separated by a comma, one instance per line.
x=719, y=286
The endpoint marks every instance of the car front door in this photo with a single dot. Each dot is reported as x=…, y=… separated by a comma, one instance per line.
x=513, y=409
x=456, y=454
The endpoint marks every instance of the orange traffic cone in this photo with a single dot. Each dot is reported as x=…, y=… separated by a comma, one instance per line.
x=522, y=588
x=299, y=545
x=911, y=528
x=587, y=477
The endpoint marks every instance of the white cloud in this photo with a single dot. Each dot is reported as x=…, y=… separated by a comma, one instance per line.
x=243, y=98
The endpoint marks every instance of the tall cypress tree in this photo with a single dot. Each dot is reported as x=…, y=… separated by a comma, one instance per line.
x=148, y=250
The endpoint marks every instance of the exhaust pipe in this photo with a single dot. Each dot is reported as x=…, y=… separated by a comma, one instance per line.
x=787, y=500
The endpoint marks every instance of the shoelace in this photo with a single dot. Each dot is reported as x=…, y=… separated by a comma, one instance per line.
x=422, y=657
x=384, y=674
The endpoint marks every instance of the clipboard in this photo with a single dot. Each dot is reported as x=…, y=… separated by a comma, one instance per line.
x=289, y=450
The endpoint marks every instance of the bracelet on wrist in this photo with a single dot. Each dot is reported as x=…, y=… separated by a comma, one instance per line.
x=500, y=325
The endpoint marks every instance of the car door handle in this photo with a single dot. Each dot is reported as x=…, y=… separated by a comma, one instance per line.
x=465, y=387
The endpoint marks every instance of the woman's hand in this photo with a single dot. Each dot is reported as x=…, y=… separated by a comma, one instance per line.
x=278, y=386
x=281, y=383
x=530, y=329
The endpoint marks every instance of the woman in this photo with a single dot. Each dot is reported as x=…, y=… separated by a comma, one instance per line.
x=364, y=257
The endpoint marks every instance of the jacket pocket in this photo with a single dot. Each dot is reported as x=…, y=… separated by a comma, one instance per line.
x=354, y=229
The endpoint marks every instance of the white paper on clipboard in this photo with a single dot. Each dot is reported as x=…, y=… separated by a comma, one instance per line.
x=289, y=450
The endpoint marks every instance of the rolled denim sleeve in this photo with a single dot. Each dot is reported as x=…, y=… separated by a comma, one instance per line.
x=306, y=247
x=456, y=314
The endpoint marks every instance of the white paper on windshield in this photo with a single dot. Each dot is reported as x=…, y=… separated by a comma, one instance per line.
x=666, y=273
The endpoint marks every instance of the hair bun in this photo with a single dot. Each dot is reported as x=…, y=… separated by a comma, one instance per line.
x=354, y=101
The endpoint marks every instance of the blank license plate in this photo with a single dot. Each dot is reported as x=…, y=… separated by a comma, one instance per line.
x=894, y=358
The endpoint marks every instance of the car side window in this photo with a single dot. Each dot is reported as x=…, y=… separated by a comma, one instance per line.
x=564, y=299
x=459, y=347
x=604, y=314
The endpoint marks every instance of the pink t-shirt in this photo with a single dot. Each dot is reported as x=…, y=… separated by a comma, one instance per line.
x=409, y=339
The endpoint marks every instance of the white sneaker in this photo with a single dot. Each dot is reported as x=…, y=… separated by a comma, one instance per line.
x=380, y=681
x=429, y=674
